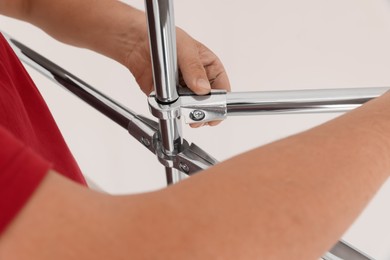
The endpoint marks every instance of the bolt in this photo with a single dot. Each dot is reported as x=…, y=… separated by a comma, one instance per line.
x=145, y=141
x=197, y=115
x=184, y=167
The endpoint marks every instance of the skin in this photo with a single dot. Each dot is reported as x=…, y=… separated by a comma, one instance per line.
x=244, y=208
x=119, y=31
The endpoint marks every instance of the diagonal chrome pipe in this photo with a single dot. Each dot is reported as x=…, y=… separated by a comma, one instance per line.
x=113, y=110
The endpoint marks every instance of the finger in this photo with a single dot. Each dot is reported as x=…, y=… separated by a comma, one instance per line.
x=214, y=123
x=218, y=80
x=192, y=68
x=197, y=125
x=221, y=82
x=217, y=76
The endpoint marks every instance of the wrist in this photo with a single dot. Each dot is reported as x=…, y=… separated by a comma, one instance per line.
x=111, y=28
x=118, y=38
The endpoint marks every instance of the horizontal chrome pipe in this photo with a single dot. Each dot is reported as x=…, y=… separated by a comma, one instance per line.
x=300, y=101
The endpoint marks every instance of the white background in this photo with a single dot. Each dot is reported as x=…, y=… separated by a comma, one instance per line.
x=265, y=45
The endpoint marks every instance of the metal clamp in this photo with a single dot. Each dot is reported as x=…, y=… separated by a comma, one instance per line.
x=193, y=108
x=189, y=160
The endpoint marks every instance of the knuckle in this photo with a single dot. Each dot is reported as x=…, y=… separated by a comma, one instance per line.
x=195, y=66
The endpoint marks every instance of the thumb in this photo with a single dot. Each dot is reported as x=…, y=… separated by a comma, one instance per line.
x=192, y=69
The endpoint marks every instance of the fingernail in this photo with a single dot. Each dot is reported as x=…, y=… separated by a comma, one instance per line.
x=203, y=84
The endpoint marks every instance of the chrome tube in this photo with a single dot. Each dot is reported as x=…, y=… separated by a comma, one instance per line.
x=343, y=250
x=162, y=38
x=113, y=110
x=300, y=101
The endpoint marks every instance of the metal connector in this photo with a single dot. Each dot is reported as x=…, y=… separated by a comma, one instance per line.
x=191, y=107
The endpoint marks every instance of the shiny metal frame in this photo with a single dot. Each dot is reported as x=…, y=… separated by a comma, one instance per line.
x=162, y=35
x=170, y=103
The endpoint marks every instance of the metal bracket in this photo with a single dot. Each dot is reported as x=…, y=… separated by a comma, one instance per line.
x=193, y=108
x=191, y=159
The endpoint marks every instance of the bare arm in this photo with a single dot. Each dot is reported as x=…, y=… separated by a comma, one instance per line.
x=299, y=194
x=244, y=208
x=87, y=24
x=118, y=31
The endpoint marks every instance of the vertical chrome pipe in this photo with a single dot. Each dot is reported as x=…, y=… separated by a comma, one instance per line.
x=162, y=38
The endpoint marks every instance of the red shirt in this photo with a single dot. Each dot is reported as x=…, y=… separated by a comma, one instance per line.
x=30, y=142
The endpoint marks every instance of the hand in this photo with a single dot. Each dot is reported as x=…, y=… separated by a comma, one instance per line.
x=199, y=68
x=119, y=31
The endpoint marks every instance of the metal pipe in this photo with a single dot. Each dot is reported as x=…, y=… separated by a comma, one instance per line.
x=162, y=38
x=343, y=250
x=300, y=101
x=113, y=110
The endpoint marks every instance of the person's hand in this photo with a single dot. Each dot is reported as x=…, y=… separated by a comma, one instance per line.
x=200, y=69
x=119, y=31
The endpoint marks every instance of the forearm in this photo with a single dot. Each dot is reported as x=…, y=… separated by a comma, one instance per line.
x=109, y=27
x=291, y=199
x=119, y=31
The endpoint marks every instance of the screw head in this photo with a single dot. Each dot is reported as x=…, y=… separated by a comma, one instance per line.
x=145, y=141
x=197, y=115
x=184, y=167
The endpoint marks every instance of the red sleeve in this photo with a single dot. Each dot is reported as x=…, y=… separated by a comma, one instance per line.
x=21, y=171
